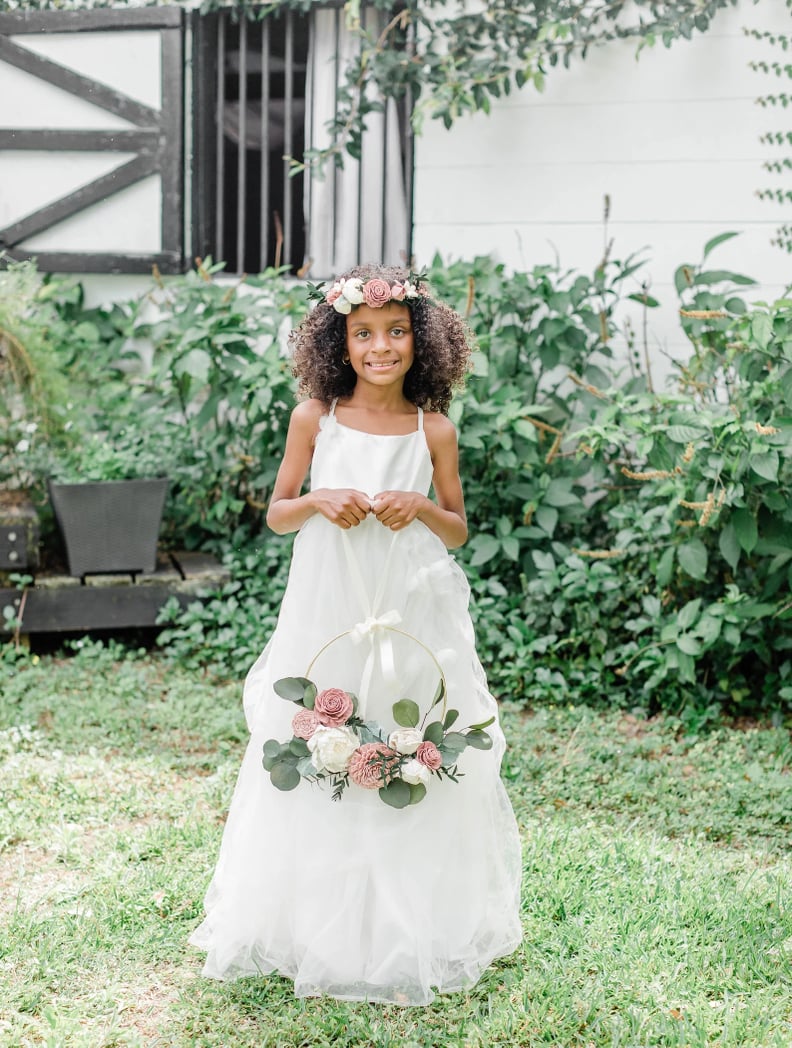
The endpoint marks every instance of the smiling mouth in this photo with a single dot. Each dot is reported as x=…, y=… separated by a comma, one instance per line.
x=381, y=365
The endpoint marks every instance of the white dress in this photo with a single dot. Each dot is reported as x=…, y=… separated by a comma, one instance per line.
x=353, y=898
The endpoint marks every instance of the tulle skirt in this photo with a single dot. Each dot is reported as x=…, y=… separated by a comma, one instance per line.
x=353, y=898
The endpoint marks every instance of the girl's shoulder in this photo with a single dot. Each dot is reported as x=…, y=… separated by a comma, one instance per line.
x=440, y=425
x=305, y=418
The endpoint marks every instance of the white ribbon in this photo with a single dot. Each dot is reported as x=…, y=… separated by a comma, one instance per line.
x=376, y=629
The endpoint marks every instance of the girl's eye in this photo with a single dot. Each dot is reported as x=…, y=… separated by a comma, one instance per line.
x=397, y=331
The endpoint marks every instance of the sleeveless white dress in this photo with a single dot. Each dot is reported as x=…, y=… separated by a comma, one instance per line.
x=353, y=898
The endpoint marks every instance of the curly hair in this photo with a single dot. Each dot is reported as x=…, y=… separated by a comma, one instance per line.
x=442, y=346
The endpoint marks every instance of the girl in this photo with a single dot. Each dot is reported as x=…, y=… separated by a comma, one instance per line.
x=357, y=899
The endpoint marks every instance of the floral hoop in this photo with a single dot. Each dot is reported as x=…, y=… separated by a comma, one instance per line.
x=332, y=743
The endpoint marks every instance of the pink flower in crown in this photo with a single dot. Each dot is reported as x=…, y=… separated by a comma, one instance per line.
x=376, y=292
x=429, y=755
x=370, y=766
x=333, y=294
x=333, y=707
x=398, y=292
x=304, y=724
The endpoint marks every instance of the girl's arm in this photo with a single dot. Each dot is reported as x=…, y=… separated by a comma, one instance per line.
x=446, y=517
x=288, y=509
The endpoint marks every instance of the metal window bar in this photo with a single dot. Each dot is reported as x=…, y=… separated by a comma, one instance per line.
x=259, y=217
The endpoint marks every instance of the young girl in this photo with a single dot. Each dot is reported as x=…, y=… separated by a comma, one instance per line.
x=357, y=899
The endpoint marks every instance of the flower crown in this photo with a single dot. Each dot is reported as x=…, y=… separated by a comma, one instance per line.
x=376, y=292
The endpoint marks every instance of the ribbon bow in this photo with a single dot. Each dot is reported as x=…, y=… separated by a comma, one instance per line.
x=376, y=629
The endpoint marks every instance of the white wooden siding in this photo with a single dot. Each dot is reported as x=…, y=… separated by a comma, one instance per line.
x=672, y=138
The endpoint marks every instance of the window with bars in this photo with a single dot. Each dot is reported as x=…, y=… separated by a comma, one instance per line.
x=264, y=92
x=97, y=174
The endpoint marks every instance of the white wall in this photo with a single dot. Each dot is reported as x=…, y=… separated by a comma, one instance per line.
x=672, y=138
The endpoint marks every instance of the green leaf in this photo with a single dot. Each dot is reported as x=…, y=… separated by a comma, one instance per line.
x=296, y=689
x=479, y=740
x=434, y=733
x=299, y=747
x=417, y=792
x=271, y=752
x=483, y=725
x=511, y=547
x=684, y=434
x=546, y=518
x=689, y=614
x=397, y=793
x=486, y=548
x=721, y=238
x=455, y=742
x=439, y=695
x=284, y=776
x=450, y=717
x=690, y=645
x=745, y=528
x=197, y=364
x=765, y=464
x=406, y=713
x=559, y=493
x=665, y=567
x=761, y=329
x=729, y=545
x=693, y=558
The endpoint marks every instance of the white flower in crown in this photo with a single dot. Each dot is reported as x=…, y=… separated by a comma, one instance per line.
x=353, y=291
x=410, y=290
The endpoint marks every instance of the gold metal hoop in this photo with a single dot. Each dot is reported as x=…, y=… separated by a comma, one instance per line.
x=403, y=633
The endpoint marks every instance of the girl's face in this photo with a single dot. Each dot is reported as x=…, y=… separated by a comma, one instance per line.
x=380, y=343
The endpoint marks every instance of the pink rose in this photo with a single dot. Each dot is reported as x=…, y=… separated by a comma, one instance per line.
x=304, y=724
x=429, y=755
x=398, y=291
x=376, y=292
x=370, y=765
x=333, y=294
x=333, y=707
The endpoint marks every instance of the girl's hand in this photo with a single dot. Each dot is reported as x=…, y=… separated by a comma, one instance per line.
x=344, y=507
x=397, y=509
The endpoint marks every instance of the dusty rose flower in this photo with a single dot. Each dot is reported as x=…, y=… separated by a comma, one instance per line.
x=304, y=724
x=429, y=755
x=376, y=292
x=333, y=707
x=370, y=765
x=398, y=292
x=333, y=294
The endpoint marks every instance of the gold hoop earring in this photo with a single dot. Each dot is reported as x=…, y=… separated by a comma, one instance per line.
x=344, y=360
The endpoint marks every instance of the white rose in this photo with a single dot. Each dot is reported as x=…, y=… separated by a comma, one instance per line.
x=342, y=305
x=353, y=290
x=331, y=748
x=414, y=772
x=405, y=740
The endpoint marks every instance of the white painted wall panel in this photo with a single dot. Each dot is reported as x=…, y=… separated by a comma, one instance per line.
x=129, y=62
x=672, y=138
x=26, y=101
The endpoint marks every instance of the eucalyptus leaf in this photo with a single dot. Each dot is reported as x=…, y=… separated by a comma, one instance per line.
x=482, y=725
x=417, y=792
x=306, y=768
x=455, y=742
x=439, y=695
x=397, y=793
x=299, y=747
x=284, y=776
x=434, y=733
x=450, y=717
x=294, y=689
x=479, y=740
x=406, y=713
x=271, y=752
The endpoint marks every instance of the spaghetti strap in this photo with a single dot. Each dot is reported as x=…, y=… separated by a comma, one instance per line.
x=331, y=412
x=420, y=420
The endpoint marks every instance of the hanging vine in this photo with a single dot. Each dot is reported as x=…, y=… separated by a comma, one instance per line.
x=781, y=68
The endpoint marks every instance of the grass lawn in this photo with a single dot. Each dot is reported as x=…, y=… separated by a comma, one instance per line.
x=657, y=896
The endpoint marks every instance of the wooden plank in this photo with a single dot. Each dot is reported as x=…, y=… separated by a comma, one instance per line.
x=195, y=565
x=60, y=603
x=98, y=261
x=144, y=140
x=88, y=21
